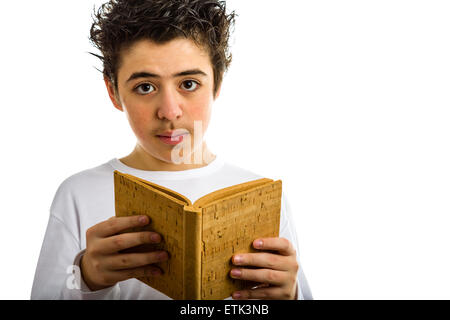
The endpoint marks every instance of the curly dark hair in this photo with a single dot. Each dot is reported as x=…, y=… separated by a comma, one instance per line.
x=120, y=23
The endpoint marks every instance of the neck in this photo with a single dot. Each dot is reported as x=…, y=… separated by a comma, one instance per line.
x=140, y=159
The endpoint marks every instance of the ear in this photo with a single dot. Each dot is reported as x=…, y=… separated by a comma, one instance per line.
x=218, y=92
x=112, y=94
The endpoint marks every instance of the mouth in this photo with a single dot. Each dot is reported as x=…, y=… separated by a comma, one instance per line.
x=172, y=134
x=171, y=140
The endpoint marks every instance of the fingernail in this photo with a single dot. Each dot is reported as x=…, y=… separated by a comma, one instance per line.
x=237, y=259
x=258, y=243
x=162, y=256
x=143, y=219
x=236, y=272
x=236, y=295
x=154, y=237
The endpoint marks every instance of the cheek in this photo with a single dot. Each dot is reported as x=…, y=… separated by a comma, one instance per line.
x=138, y=119
x=201, y=112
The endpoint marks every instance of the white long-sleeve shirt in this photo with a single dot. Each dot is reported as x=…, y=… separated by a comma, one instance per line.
x=87, y=198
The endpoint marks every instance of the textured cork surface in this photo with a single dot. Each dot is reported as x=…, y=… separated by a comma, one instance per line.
x=201, y=238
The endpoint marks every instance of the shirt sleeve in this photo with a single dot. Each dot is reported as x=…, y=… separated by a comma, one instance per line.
x=288, y=231
x=58, y=275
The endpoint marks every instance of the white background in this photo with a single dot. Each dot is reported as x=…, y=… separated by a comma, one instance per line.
x=346, y=101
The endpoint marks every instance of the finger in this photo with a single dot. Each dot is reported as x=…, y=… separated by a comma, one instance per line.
x=264, y=260
x=266, y=293
x=114, y=225
x=113, y=276
x=145, y=271
x=282, y=245
x=272, y=277
x=127, y=240
x=134, y=260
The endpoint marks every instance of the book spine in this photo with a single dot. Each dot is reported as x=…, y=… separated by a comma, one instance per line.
x=192, y=253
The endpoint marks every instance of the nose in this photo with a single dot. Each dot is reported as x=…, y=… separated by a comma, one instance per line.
x=169, y=107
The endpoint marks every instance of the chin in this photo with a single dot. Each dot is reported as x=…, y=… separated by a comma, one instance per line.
x=175, y=154
x=171, y=156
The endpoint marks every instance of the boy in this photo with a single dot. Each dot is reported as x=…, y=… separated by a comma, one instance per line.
x=164, y=62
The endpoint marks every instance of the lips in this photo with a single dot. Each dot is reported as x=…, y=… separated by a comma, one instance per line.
x=172, y=140
x=171, y=134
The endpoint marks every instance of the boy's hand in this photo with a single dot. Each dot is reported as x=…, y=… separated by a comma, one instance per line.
x=103, y=266
x=277, y=271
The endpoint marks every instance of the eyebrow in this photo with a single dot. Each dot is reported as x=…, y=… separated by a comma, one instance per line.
x=144, y=74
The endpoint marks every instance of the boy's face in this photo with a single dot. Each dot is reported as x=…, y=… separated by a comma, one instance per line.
x=155, y=105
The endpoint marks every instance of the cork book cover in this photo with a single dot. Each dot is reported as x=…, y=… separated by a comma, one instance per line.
x=200, y=237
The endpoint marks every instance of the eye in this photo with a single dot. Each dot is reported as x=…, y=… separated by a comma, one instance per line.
x=144, y=88
x=191, y=83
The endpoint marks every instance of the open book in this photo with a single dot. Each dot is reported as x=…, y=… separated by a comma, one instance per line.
x=202, y=237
